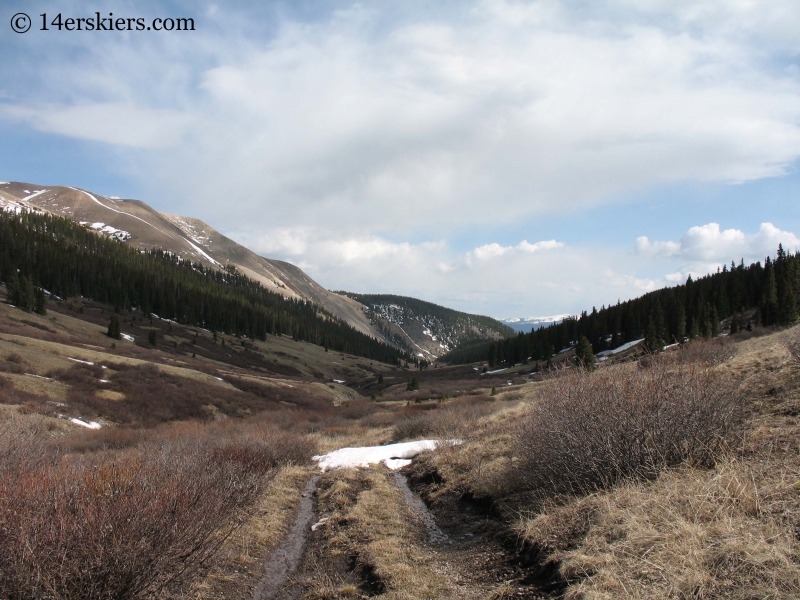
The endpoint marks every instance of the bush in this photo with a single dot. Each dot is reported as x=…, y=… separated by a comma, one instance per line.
x=132, y=523
x=588, y=431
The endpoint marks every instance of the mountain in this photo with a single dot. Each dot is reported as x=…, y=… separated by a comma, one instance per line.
x=426, y=329
x=136, y=224
x=527, y=324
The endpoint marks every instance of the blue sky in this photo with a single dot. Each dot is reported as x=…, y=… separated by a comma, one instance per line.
x=502, y=157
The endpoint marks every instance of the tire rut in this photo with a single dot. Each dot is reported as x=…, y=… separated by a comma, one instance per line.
x=287, y=557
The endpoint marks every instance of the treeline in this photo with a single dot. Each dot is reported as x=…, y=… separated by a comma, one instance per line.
x=664, y=316
x=41, y=251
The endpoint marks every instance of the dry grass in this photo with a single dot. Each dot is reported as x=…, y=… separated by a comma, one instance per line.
x=689, y=534
x=371, y=520
x=241, y=559
x=725, y=532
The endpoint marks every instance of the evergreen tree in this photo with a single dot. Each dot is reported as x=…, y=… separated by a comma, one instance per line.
x=787, y=303
x=655, y=334
x=680, y=323
x=735, y=328
x=584, y=355
x=113, y=328
x=39, y=301
x=714, y=318
x=12, y=287
x=151, y=337
x=26, y=299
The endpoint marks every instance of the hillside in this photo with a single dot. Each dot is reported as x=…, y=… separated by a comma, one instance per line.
x=426, y=329
x=739, y=297
x=138, y=225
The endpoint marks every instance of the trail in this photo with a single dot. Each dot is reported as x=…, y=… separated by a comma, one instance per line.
x=468, y=543
x=285, y=560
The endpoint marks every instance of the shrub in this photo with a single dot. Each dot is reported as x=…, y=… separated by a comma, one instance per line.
x=588, y=431
x=133, y=523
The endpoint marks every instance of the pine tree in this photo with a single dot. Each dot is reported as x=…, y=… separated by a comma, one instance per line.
x=584, y=355
x=680, y=323
x=12, y=287
x=714, y=318
x=39, y=301
x=113, y=328
x=151, y=337
x=26, y=300
x=787, y=303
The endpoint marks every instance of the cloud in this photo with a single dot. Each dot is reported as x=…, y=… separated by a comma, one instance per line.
x=494, y=250
x=112, y=123
x=415, y=121
x=710, y=244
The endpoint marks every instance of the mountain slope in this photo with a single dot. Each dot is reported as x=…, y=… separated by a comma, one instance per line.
x=139, y=225
x=426, y=329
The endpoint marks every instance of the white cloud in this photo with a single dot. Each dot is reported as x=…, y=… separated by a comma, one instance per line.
x=710, y=244
x=375, y=125
x=111, y=123
x=494, y=250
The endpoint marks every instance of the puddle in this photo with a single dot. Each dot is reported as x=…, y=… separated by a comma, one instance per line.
x=435, y=535
x=285, y=560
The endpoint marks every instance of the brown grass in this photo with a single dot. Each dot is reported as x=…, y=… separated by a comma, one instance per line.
x=370, y=520
x=689, y=534
x=241, y=559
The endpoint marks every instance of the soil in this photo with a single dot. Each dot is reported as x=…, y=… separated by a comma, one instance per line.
x=483, y=556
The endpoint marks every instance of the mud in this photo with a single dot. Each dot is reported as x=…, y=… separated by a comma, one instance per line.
x=483, y=555
x=435, y=534
x=285, y=560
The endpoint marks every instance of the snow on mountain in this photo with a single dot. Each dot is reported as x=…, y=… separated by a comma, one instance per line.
x=526, y=324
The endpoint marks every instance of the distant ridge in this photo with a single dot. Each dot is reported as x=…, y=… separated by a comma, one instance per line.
x=527, y=324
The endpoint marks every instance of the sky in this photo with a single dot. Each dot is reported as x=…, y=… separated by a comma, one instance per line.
x=500, y=157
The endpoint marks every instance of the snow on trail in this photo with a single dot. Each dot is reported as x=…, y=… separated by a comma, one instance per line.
x=394, y=456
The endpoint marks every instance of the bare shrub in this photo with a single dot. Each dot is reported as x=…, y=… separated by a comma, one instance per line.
x=588, y=431
x=456, y=419
x=708, y=352
x=793, y=345
x=131, y=523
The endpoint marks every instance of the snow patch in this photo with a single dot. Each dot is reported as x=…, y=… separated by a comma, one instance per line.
x=620, y=349
x=127, y=337
x=78, y=360
x=394, y=456
x=87, y=424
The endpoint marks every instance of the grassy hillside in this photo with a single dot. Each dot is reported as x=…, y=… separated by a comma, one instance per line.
x=53, y=253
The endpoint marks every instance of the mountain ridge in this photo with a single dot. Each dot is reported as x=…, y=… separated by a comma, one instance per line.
x=137, y=224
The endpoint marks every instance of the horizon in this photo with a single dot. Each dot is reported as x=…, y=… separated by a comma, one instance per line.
x=498, y=158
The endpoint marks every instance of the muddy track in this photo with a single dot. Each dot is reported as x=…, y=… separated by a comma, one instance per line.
x=482, y=554
x=286, y=558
